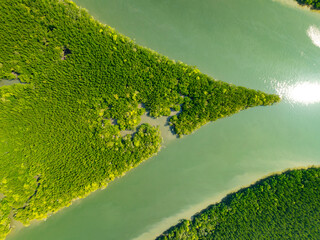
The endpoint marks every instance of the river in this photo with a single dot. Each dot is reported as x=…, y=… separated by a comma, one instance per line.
x=262, y=44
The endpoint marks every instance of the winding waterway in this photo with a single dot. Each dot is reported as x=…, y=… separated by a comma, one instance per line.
x=262, y=44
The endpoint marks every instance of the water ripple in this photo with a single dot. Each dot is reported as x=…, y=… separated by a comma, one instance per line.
x=314, y=34
x=299, y=92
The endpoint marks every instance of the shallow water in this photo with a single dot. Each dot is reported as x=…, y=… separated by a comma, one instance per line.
x=261, y=44
x=166, y=130
x=8, y=82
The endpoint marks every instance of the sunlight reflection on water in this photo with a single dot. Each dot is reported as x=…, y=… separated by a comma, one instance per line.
x=314, y=34
x=299, y=92
x=303, y=92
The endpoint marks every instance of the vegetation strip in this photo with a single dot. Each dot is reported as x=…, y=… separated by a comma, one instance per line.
x=85, y=84
x=284, y=206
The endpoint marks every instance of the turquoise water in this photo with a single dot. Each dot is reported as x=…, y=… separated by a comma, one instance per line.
x=261, y=44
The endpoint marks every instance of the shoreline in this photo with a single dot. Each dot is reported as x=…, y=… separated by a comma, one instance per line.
x=17, y=226
x=158, y=228
x=187, y=214
x=161, y=122
x=296, y=4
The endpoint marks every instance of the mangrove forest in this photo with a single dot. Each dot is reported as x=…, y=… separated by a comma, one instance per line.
x=79, y=83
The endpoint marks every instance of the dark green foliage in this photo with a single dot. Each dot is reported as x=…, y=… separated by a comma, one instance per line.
x=315, y=4
x=60, y=132
x=284, y=206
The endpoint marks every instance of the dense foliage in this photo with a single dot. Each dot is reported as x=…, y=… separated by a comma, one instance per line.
x=284, y=206
x=84, y=83
x=315, y=4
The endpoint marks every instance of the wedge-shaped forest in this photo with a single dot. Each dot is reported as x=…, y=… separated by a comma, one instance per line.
x=82, y=84
x=284, y=206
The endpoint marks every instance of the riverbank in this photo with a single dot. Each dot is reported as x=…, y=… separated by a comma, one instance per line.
x=191, y=211
x=274, y=207
x=311, y=4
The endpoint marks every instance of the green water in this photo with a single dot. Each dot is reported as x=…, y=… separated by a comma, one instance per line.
x=245, y=42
